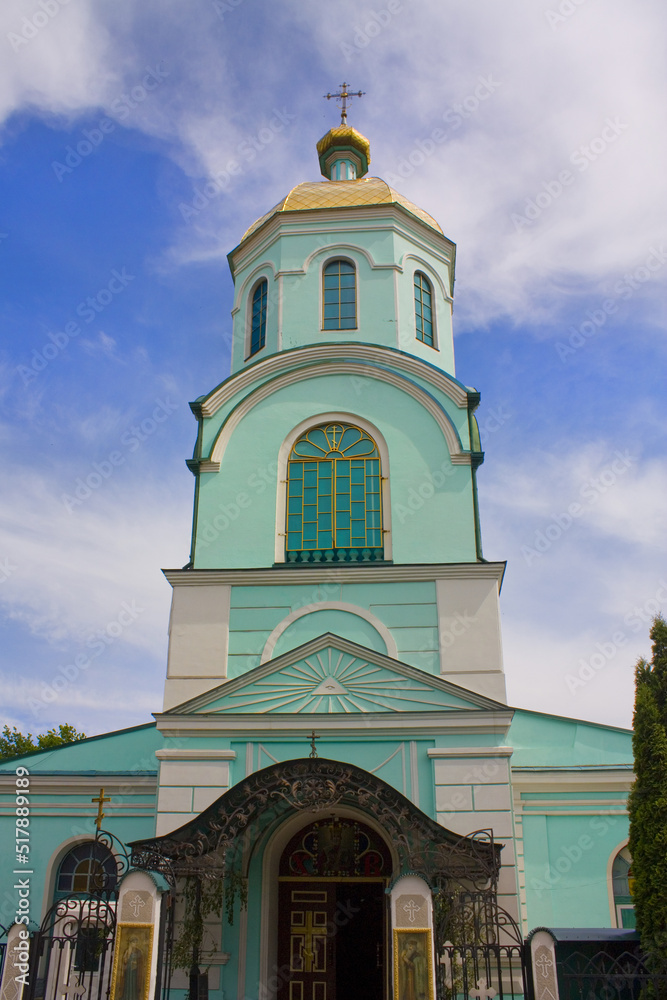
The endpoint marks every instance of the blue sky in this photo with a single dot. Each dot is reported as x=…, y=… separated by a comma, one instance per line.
x=533, y=130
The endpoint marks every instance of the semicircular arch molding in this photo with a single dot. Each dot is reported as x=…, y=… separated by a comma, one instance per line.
x=334, y=250
x=264, y=270
x=322, y=370
x=309, y=609
x=429, y=271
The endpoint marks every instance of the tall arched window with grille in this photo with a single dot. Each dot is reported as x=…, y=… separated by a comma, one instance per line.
x=258, y=317
x=424, y=309
x=334, y=500
x=339, y=296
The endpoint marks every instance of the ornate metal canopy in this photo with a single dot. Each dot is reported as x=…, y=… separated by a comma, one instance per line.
x=212, y=843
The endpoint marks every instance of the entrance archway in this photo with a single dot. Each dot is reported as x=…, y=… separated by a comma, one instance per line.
x=332, y=924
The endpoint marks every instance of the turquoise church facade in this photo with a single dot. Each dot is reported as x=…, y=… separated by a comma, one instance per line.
x=336, y=614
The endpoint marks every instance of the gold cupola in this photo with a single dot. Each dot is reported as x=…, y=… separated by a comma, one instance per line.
x=344, y=153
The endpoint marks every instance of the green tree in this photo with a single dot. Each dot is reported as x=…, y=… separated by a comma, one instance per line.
x=648, y=799
x=15, y=744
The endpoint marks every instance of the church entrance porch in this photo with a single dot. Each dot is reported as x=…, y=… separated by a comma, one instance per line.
x=352, y=891
x=332, y=913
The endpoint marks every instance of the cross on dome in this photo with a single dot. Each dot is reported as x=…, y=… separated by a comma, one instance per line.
x=342, y=98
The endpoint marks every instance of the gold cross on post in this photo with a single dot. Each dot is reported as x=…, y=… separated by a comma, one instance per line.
x=342, y=98
x=101, y=799
x=313, y=748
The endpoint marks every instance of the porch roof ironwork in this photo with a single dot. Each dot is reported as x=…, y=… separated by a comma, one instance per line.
x=212, y=843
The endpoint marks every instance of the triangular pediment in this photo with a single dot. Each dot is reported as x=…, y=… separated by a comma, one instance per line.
x=333, y=675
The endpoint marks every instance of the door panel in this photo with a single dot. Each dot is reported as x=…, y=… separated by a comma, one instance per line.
x=331, y=940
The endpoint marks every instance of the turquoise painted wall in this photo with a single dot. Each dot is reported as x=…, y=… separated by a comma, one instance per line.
x=236, y=507
x=407, y=609
x=386, y=260
x=54, y=817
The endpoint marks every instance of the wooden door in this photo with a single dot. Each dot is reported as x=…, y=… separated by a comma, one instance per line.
x=306, y=942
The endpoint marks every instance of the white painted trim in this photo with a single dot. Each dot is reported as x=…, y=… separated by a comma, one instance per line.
x=266, y=270
x=456, y=752
x=431, y=273
x=334, y=251
x=335, y=574
x=352, y=609
x=459, y=723
x=242, y=380
x=441, y=418
x=195, y=754
x=310, y=222
x=283, y=457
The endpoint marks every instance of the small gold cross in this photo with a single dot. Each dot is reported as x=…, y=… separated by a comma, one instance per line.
x=313, y=748
x=342, y=99
x=101, y=799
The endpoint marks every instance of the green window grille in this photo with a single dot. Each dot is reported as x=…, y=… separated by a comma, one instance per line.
x=423, y=309
x=258, y=318
x=334, y=496
x=340, y=296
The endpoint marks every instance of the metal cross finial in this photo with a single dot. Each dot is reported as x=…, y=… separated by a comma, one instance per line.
x=342, y=99
x=313, y=748
x=101, y=799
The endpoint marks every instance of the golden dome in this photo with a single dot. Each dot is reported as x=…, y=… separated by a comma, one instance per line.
x=342, y=194
x=344, y=136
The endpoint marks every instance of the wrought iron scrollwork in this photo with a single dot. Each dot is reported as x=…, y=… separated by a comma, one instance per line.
x=212, y=842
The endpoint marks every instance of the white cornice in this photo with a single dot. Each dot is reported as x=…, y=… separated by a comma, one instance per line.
x=463, y=752
x=195, y=754
x=286, y=360
x=283, y=223
x=360, y=573
x=459, y=723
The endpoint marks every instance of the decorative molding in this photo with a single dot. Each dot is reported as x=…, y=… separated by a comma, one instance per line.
x=195, y=754
x=368, y=657
x=242, y=380
x=353, y=609
x=309, y=222
x=323, y=369
x=360, y=573
x=462, y=752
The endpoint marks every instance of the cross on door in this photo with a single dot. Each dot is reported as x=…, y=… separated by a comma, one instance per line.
x=313, y=941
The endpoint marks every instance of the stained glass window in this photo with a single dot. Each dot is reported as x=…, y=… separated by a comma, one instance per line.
x=340, y=296
x=334, y=490
x=258, y=317
x=423, y=309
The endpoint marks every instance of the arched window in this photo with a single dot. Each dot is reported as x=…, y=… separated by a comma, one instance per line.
x=88, y=868
x=423, y=309
x=621, y=881
x=334, y=510
x=258, y=317
x=339, y=296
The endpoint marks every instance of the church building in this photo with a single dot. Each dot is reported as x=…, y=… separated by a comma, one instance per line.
x=335, y=799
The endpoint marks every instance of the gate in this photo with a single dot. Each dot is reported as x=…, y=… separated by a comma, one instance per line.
x=3, y=948
x=71, y=954
x=480, y=952
x=604, y=976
